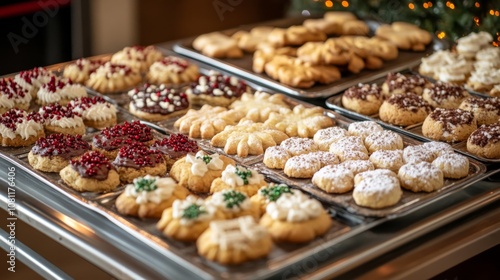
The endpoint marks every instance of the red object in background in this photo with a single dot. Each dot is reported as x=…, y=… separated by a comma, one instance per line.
x=17, y=9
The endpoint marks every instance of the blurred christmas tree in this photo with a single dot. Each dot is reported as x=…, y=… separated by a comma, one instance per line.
x=447, y=19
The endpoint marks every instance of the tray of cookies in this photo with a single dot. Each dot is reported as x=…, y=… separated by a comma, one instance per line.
x=473, y=63
x=369, y=171
x=311, y=58
x=413, y=105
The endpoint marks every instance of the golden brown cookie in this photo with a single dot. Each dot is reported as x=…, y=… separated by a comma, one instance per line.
x=172, y=70
x=239, y=178
x=365, y=99
x=450, y=125
x=405, y=35
x=302, y=121
x=138, y=58
x=269, y=194
x=233, y=204
x=217, y=45
x=443, y=95
x=197, y=172
x=258, y=106
x=404, y=109
x=485, y=141
x=334, y=179
x=486, y=111
x=79, y=71
x=113, y=78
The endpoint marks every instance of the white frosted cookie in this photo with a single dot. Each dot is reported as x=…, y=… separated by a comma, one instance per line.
x=352, y=155
x=13, y=95
x=363, y=129
x=276, y=157
x=438, y=148
x=61, y=119
x=373, y=173
x=348, y=143
x=327, y=136
x=383, y=140
x=302, y=166
x=391, y=160
x=418, y=153
x=421, y=177
x=59, y=91
x=358, y=166
x=453, y=165
x=334, y=179
x=95, y=111
x=137, y=57
x=377, y=192
x=297, y=146
x=32, y=80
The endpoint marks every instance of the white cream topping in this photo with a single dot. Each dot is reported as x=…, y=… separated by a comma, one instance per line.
x=164, y=189
x=7, y=132
x=237, y=233
x=7, y=102
x=169, y=68
x=28, y=128
x=486, y=76
x=230, y=177
x=97, y=112
x=296, y=207
x=65, y=122
x=198, y=165
x=179, y=207
x=73, y=91
x=48, y=97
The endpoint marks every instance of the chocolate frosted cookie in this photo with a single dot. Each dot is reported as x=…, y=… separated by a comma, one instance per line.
x=175, y=147
x=485, y=141
x=53, y=153
x=110, y=140
x=156, y=103
x=404, y=109
x=365, y=99
x=444, y=95
x=137, y=160
x=450, y=125
x=91, y=172
x=485, y=110
x=216, y=90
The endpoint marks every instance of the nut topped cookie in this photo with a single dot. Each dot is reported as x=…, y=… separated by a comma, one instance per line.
x=156, y=103
x=216, y=89
x=449, y=125
x=365, y=99
x=91, y=172
x=13, y=95
x=172, y=70
x=404, y=109
x=443, y=95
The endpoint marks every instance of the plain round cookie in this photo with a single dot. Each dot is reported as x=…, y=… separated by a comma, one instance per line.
x=377, y=192
x=348, y=143
x=297, y=146
x=275, y=157
x=421, y=177
x=334, y=179
x=485, y=141
x=438, y=148
x=364, y=128
x=364, y=99
x=358, y=166
x=418, y=153
x=387, y=159
x=301, y=166
x=324, y=138
x=404, y=109
x=450, y=125
x=383, y=140
x=454, y=166
x=73, y=179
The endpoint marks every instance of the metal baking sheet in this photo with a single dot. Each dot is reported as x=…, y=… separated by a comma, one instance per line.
x=409, y=202
x=415, y=131
x=242, y=67
x=415, y=71
x=282, y=257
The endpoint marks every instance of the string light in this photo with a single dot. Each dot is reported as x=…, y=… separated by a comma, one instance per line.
x=411, y=6
x=441, y=35
x=450, y=5
x=328, y=4
x=345, y=4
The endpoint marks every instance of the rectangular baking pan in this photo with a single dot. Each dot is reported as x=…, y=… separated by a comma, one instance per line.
x=242, y=67
x=415, y=131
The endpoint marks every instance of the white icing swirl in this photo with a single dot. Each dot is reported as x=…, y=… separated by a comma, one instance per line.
x=73, y=91
x=9, y=103
x=164, y=189
x=65, y=122
x=230, y=177
x=236, y=233
x=28, y=128
x=97, y=112
x=179, y=206
x=199, y=167
x=296, y=207
x=485, y=76
x=48, y=97
x=7, y=132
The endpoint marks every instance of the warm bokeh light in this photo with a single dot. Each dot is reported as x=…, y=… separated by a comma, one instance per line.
x=345, y=4
x=477, y=4
x=476, y=20
x=328, y=4
x=411, y=6
x=426, y=6
x=441, y=35
x=497, y=13
x=492, y=12
x=430, y=4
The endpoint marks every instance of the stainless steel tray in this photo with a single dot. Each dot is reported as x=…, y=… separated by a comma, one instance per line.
x=415, y=131
x=242, y=67
x=414, y=70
